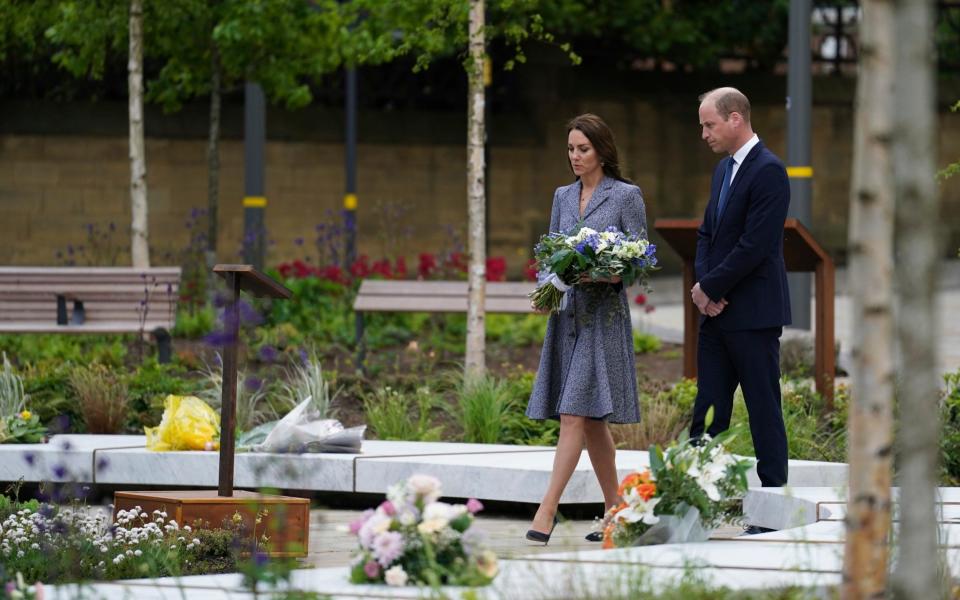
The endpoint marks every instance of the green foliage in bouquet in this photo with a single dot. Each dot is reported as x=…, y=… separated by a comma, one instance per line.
x=690, y=477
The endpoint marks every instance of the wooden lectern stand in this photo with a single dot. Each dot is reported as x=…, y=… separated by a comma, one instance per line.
x=283, y=519
x=801, y=253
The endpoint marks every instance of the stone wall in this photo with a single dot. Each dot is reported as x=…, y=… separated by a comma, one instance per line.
x=63, y=167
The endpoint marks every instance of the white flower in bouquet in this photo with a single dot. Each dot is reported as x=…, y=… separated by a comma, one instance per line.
x=581, y=235
x=396, y=576
x=638, y=509
x=424, y=486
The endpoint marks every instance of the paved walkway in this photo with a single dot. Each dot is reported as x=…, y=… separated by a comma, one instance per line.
x=331, y=545
x=666, y=320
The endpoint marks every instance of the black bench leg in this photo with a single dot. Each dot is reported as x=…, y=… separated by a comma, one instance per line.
x=361, y=349
x=164, y=349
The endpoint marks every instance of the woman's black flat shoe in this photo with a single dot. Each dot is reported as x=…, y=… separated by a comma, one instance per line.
x=594, y=536
x=538, y=536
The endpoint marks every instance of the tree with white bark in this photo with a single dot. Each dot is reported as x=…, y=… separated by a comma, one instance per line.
x=917, y=573
x=871, y=269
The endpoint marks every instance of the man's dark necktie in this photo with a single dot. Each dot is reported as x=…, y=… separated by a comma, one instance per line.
x=725, y=186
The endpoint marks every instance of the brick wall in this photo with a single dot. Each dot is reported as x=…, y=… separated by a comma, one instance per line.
x=411, y=172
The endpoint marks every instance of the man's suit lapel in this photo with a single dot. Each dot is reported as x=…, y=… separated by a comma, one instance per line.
x=600, y=196
x=740, y=176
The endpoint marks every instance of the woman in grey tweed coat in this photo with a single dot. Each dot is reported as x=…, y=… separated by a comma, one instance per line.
x=587, y=375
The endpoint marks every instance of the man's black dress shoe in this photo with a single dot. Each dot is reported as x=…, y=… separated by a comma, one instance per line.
x=538, y=536
x=755, y=529
x=594, y=536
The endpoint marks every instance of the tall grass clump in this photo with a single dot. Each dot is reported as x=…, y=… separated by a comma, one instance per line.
x=483, y=404
x=12, y=397
x=102, y=396
x=306, y=380
x=252, y=407
x=663, y=417
x=396, y=415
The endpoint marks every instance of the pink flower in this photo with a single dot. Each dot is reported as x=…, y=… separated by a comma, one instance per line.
x=358, y=523
x=371, y=569
x=388, y=547
x=474, y=506
x=388, y=508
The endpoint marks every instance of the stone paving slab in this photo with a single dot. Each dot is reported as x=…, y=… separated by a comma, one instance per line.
x=485, y=471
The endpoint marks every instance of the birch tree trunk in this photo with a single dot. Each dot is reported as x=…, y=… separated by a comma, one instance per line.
x=139, y=244
x=871, y=269
x=213, y=167
x=476, y=200
x=918, y=216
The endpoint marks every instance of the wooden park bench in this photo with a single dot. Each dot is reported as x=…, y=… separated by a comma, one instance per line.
x=90, y=300
x=391, y=295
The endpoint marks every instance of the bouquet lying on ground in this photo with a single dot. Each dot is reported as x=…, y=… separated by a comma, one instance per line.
x=563, y=260
x=413, y=538
x=688, y=491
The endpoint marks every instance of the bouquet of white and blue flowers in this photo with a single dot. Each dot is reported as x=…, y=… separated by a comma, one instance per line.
x=563, y=261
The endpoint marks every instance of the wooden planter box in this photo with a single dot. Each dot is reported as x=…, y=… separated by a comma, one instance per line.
x=283, y=519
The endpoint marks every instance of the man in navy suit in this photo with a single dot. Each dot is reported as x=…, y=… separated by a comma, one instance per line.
x=741, y=288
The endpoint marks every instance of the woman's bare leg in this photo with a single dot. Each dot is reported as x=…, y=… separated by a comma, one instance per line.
x=603, y=456
x=569, y=448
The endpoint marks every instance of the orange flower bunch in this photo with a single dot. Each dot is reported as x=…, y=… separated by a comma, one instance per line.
x=643, y=485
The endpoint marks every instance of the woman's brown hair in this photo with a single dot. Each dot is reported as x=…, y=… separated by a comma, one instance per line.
x=600, y=136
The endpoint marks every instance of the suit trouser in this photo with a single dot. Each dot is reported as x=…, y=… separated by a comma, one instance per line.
x=750, y=359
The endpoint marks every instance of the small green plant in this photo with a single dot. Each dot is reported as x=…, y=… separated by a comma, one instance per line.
x=645, y=343
x=516, y=330
x=517, y=427
x=306, y=380
x=482, y=404
x=102, y=396
x=194, y=324
x=662, y=421
x=390, y=413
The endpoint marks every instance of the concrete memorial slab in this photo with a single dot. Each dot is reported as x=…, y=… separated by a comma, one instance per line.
x=485, y=471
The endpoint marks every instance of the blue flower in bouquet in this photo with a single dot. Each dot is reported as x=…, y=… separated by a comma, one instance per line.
x=563, y=260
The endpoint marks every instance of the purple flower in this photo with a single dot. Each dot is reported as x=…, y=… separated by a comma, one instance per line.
x=268, y=353
x=298, y=241
x=388, y=547
x=371, y=569
x=358, y=523
x=474, y=506
x=10, y=587
x=260, y=559
x=59, y=471
x=253, y=383
x=30, y=458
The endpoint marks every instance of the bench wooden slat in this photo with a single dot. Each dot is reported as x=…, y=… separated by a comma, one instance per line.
x=439, y=296
x=88, y=327
x=111, y=297
x=78, y=289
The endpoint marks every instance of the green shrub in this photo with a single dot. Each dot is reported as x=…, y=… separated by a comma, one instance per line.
x=194, y=324
x=517, y=427
x=644, y=343
x=51, y=397
x=148, y=385
x=396, y=415
x=950, y=430
x=28, y=349
x=516, y=330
